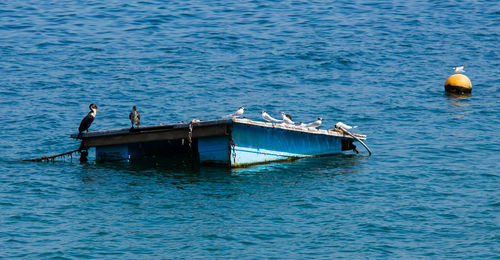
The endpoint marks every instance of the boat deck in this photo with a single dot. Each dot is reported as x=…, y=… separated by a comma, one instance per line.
x=180, y=130
x=232, y=142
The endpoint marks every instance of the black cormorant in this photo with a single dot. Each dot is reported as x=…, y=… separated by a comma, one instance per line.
x=88, y=119
x=135, y=117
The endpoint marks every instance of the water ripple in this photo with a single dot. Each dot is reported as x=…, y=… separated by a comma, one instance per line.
x=429, y=191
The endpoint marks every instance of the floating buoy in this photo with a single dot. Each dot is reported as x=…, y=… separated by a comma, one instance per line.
x=458, y=84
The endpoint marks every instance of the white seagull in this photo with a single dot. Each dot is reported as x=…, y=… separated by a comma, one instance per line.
x=344, y=126
x=316, y=123
x=286, y=120
x=268, y=118
x=459, y=69
x=236, y=114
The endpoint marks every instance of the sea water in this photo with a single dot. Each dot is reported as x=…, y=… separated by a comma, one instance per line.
x=430, y=190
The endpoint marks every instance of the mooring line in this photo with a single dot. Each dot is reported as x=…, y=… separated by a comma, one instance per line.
x=190, y=134
x=52, y=157
x=81, y=149
x=357, y=139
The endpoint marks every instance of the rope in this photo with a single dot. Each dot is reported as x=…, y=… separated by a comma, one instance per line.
x=357, y=139
x=82, y=150
x=190, y=134
x=52, y=157
x=190, y=138
x=232, y=145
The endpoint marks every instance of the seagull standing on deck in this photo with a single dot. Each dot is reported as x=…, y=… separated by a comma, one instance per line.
x=88, y=119
x=135, y=117
x=286, y=119
x=459, y=69
x=236, y=114
x=268, y=118
x=316, y=123
x=344, y=126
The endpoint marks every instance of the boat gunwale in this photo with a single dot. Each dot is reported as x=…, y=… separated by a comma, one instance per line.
x=243, y=121
x=309, y=130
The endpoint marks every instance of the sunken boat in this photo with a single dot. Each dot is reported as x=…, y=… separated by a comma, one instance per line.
x=226, y=142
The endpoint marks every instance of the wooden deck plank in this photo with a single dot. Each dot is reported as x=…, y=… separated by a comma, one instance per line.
x=181, y=130
x=141, y=137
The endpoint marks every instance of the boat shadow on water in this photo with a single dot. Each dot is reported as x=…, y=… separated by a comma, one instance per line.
x=335, y=164
x=187, y=167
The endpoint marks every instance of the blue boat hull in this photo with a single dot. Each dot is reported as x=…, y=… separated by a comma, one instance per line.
x=233, y=143
x=253, y=144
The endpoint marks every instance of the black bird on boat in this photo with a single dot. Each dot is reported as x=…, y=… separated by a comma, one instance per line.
x=135, y=117
x=88, y=119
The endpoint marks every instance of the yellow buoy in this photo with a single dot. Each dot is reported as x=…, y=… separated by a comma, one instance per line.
x=458, y=83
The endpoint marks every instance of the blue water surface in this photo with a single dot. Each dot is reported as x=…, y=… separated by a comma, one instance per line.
x=430, y=190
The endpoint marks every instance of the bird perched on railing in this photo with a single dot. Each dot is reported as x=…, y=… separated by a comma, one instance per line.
x=315, y=124
x=269, y=118
x=135, y=117
x=286, y=119
x=459, y=69
x=236, y=114
x=88, y=119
